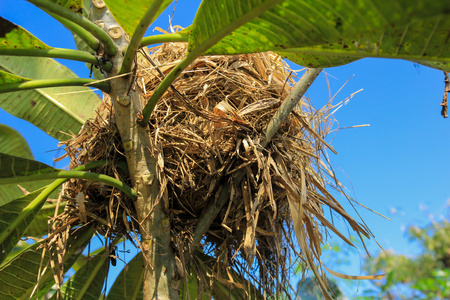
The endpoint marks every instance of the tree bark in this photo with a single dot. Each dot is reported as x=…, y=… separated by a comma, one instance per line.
x=160, y=280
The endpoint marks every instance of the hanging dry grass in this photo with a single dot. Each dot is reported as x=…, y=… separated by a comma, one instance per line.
x=207, y=131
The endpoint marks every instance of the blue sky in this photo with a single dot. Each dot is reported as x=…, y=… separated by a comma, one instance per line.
x=398, y=166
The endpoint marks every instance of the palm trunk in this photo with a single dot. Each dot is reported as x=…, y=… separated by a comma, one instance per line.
x=159, y=276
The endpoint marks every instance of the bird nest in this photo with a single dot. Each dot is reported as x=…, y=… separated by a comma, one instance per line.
x=208, y=130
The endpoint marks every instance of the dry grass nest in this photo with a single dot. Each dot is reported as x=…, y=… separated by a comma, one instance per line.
x=207, y=132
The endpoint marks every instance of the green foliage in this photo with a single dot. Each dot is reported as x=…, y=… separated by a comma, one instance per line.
x=7, y=78
x=13, y=36
x=128, y=284
x=330, y=33
x=19, y=274
x=16, y=216
x=87, y=283
x=426, y=275
x=135, y=12
x=13, y=143
x=69, y=107
x=74, y=5
x=308, y=289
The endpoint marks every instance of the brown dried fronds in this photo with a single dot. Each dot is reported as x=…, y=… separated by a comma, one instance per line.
x=207, y=131
x=104, y=207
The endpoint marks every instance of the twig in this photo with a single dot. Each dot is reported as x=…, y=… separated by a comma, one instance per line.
x=289, y=103
x=444, y=103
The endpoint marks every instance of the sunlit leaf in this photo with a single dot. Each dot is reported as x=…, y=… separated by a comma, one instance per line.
x=58, y=111
x=20, y=246
x=317, y=61
x=14, y=36
x=8, y=78
x=221, y=18
x=135, y=11
x=348, y=29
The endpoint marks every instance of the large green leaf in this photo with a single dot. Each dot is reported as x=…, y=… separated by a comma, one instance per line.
x=128, y=284
x=13, y=143
x=8, y=78
x=135, y=11
x=14, y=36
x=423, y=40
x=12, y=166
x=18, y=276
x=17, y=170
x=349, y=29
x=87, y=282
x=218, y=20
x=17, y=215
x=15, y=218
x=57, y=111
x=318, y=61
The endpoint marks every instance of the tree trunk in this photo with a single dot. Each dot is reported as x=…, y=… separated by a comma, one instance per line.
x=159, y=276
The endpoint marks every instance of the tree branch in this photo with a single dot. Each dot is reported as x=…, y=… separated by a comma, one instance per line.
x=289, y=103
x=444, y=103
x=154, y=224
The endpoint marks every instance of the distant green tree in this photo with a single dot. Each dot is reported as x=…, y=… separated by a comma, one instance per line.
x=425, y=276
x=309, y=289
